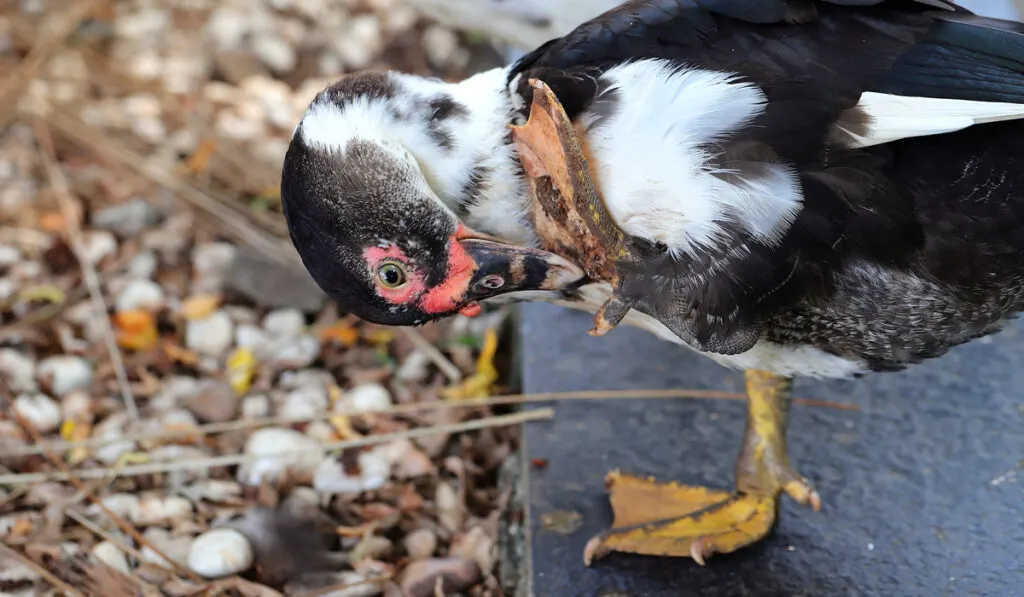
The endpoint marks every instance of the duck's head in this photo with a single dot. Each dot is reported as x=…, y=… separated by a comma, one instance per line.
x=372, y=182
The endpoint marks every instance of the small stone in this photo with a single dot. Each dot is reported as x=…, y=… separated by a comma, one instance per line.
x=174, y=391
x=295, y=352
x=216, y=403
x=143, y=265
x=97, y=245
x=420, y=544
x=210, y=336
x=278, y=449
x=110, y=429
x=161, y=510
x=419, y=578
x=336, y=584
x=122, y=505
x=276, y=53
x=176, y=548
x=213, y=490
x=9, y=256
x=235, y=66
x=272, y=284
x=76, y=406
x=474, y=545
x=210, y=262
x=140, y=294
x=18, y=369
x=126, y=219
x=451, y=513
x=414, y=368
x=64, y=373
x=365, y=397
x=40, y=410
x=284, y=322
x=252, y=337
x=412, y=462
x=220, y=552
x=255, y=407
x=377, y=547
x=170, y=239
x=439, y=44
x=304, y=403
x=374, y=470
x=361, y=43
x=112, y=556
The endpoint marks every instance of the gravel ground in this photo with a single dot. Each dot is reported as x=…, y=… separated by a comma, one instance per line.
x=181, y=410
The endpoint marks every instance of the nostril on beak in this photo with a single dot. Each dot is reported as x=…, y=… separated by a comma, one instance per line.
x=491, y=282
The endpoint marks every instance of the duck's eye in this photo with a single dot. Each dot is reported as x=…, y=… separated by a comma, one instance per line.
x=391, y=274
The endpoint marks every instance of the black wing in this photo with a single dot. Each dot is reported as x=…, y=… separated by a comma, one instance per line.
x=813, y=60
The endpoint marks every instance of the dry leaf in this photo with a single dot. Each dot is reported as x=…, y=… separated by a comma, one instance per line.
x=241, y=367
x=135, y=330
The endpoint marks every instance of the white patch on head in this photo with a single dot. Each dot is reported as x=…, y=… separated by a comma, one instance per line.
x=804, y=361
x=895, y=117
x=478, y=142
x=653, y=157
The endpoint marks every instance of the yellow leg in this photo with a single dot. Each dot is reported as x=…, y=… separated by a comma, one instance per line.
x=668, y=519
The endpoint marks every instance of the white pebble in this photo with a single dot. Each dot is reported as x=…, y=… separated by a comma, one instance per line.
x=363, y=40
x=111, y=555
x=279, y=450
x=274, y=52
x=439, y=44
x=255, y=407
x=18, y=369
x=122, y=505
x=97, y=245
x=304, y=403
x=76, y=406
x=111, y=429
x=284, y=322
x=9, y=255
x=365, y=397
x=295, y=352
x=374, y=470
x=143, y=265
x=161, y=510
x=414, y=368
x=251, y=337
x=420, y=544
x=40, y=410
x=210, y=336
x=220, y=552
x=212, y=260
x=176, y=548
x=65, y=373
x=140, y=294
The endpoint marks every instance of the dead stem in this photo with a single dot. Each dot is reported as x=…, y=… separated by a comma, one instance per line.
x=97, y=141
x=76, y=480
x=237, y=459
x=40, y=570
x=511, y=399
x=91, y=278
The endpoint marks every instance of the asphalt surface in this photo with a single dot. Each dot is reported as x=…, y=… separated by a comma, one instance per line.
x=922, y=488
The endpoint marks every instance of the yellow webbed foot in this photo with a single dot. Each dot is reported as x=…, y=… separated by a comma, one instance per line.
x=670, y=519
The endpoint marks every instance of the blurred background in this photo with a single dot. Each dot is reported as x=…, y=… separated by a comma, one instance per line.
x=158, y=337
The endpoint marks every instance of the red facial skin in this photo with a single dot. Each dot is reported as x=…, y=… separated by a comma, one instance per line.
x=442, y=298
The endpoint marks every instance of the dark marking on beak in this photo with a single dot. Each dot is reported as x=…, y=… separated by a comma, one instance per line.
x=502, y=268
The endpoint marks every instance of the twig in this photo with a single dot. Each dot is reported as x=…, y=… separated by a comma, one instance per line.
x=40, y=570
x=92, y=282
x=434, y=354
x=510, y=399
x=40, y=52
x=236, y=459
x=97, y=141
x=341, y=587
x=76, y=481
x=85, y=522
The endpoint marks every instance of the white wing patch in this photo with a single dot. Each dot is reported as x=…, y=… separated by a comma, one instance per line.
x=654, y=153
x=895, y=117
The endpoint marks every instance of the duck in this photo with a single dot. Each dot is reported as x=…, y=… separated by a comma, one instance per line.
x=836, y=186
